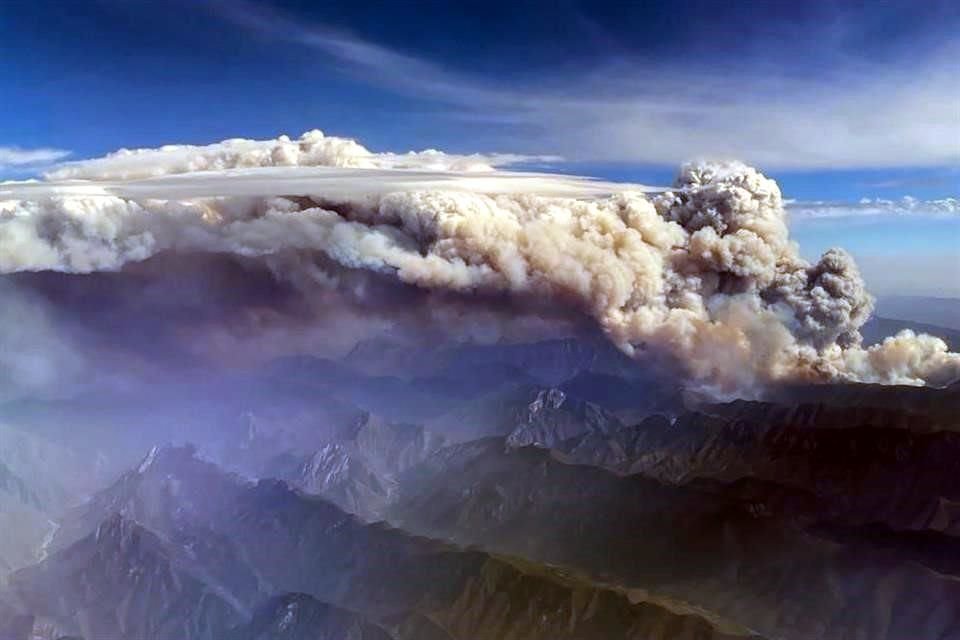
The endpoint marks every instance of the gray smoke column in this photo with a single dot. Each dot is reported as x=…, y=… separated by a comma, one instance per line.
x=704, y=272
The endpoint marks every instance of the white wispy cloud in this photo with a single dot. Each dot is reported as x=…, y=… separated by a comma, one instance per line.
x=17, y=157
x=906, y=206
x=850, y=115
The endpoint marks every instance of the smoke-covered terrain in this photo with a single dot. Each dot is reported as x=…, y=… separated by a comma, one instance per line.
x=294, y=389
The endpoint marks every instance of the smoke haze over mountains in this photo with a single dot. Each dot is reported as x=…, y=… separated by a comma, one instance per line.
x=653, y=335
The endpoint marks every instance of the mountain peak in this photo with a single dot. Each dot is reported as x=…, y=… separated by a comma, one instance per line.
x=552, y=398
x=165, y=455
x=553, y=417
x=117, y=528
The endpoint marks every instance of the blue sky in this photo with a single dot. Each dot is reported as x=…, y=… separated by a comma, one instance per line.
x=838, y=101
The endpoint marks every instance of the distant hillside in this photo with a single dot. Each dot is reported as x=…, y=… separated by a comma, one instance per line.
x=878, y=328
x=942, y=312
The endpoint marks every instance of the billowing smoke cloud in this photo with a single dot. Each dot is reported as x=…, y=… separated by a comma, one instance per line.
x=704, y=272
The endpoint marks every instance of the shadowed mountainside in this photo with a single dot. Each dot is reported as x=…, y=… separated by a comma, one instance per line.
x=746, y=551
x=295, y=543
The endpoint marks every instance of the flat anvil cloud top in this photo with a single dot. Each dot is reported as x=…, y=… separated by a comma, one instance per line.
x=332, y=182
x=704, y=272
x=314, y=163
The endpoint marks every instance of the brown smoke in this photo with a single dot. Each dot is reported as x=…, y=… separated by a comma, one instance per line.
x=705, y=272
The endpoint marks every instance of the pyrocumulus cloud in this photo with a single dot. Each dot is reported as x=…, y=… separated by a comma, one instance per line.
x=704, y=271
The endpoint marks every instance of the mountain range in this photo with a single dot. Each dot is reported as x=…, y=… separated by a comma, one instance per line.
x=548, y=491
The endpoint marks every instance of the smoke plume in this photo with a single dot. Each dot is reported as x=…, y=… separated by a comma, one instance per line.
x=704, y=272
